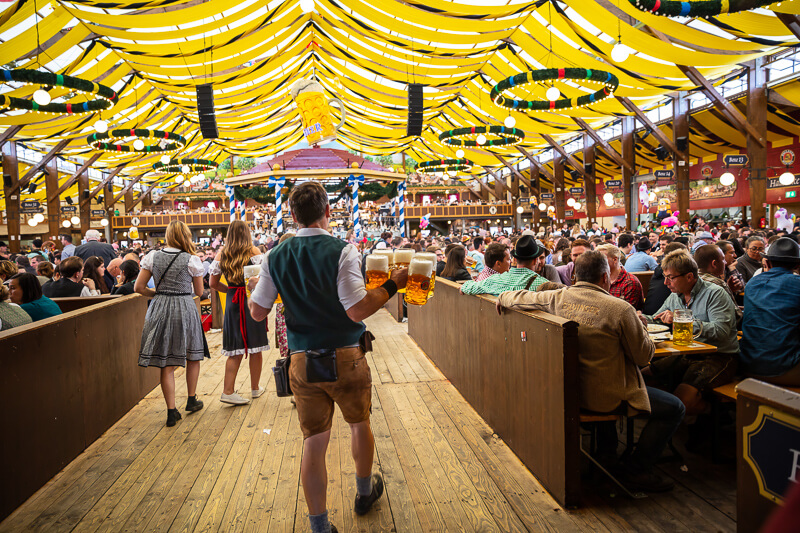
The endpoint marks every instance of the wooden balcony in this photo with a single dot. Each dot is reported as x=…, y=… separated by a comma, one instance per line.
x=459, y=211
x=193, y=220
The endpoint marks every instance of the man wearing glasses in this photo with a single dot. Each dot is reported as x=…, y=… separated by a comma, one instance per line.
x=751, y=261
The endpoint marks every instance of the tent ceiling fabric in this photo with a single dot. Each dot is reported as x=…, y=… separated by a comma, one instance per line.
x=154, y=53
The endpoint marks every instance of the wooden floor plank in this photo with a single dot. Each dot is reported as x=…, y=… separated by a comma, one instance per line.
x=283, y=512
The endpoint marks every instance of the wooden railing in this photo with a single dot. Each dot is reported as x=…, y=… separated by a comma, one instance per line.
x=519, y=371
x=205, y=220
x=459, y=211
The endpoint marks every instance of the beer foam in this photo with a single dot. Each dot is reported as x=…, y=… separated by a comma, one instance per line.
x=377, y=262
x=251, y=270
x=389, y=254
x=419, y=266
x=404, y=255
x=427, y=256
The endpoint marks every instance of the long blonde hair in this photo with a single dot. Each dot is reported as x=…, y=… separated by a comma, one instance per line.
x=237, y=252
x=178, y=236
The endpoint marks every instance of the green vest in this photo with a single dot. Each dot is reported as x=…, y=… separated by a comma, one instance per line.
x=305, y=269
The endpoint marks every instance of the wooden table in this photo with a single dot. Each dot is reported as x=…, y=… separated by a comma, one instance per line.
x=665, y=348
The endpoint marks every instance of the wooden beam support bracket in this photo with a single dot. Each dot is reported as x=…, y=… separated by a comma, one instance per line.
x=91, y=161
x=665, y=141
x=516, y=172
x=498, y=179
x=607, y=148
x=102, y=184
x=572, y=161
x=127, y=188
x=541, y=168
x=35, y=169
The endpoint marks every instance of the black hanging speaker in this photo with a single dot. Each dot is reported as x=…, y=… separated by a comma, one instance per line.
x=205, y=111
x=68, y=199
x=415, y=109
x=85, y=195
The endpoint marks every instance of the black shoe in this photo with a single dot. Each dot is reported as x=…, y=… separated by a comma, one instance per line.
x=173, y=415
x=643, y=481
x=364, y=503
x=193, y=404
x=333, y=529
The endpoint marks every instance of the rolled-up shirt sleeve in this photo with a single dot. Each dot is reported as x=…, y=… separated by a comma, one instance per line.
x=349, y=281
x=265, y=292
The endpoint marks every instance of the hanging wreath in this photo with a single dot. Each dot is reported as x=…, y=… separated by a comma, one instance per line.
x=104, y=97
x=445, y=165
x=262, y=195
x=175, y=166
x=467, y=136
x=706, y=8
x=608, y=80
x=96, y=140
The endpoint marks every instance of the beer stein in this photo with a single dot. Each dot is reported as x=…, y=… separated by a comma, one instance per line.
x=315, y=112
x=377, y=270
x=402, y=257
x=389, y=254
x=250, y=271
x=419, y=281
x=428, y=256
x=682, y=327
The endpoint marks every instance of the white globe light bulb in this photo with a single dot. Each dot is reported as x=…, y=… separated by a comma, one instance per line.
x=510, y=122
x=542, y=206
x=459, y=153
x=620, y=53
x=570, y=201
x=101, y=126
x=104, y=222
x=66, y=224
x=609, y=202
x=651, y=197
x=38, y=217
x=520, y=209
x=481, y=139
x=787, y=178
x=178, y=179
x=165, y=159
x=727, y=179
x=186, y=169
x=552, y=93
x=608, y=197
x=307, y=6
x=41, y=97
x=138, y=144
x=32, y=222
x=75, y=221
x=577, y=206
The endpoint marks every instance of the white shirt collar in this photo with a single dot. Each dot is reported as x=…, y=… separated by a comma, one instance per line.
x=311, y=232
x=170, y=249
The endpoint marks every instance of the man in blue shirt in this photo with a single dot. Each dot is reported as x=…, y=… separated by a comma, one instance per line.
x=770, y=346
x=641, y=261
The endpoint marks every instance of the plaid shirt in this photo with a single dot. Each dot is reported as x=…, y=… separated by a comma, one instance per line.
x=629, y=288
x=514, y=280
x=485, y=273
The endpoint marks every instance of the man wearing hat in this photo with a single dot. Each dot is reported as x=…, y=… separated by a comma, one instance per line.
x=522, y=277
x=641, y=261
x=770, y=345
x=702, y=238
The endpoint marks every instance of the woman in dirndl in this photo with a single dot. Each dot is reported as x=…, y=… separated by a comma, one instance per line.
x=241, y=335
x=173, y=335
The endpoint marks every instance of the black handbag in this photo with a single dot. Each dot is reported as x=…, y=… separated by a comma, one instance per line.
x=321, y=366
x=281, y=373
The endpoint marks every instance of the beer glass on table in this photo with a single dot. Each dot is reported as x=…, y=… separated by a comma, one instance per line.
x=419, y=281
x=250, y=271
x=682, y=327
x=377, y=270
x=427, y=256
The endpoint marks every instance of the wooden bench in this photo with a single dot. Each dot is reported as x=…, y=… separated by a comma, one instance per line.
x=729, y=393
x=644, y=278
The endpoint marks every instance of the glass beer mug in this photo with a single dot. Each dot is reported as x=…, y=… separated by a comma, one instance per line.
x=389, y=254
x=377, y=270
x=428, y=256
x=419, y=281
x=402, y=257
x=682, y=327
x=250, y=271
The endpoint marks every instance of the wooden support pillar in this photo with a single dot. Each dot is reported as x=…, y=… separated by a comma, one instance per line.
x=12, y=194
x=85, y=208
x=53, y=202
x=589, y=182
x=756, y=151
x=680, y=128
x=128, y=201
x=498, y=188
x=147, y=200
x=558, y=176
x=536, y=190
x=629, y=155
x=108, y=203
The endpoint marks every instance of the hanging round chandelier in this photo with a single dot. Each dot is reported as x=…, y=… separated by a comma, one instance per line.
x=489, y=135
x=112, y=141
x=608, y=81
x=705, y=8
x=103, y=97
x=186, y=166
x=444, y=165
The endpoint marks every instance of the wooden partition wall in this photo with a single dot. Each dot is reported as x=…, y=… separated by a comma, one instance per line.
x=395, y=306
x=518, y=371
x=63, y=382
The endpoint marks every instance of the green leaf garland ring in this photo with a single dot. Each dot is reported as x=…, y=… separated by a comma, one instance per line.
x=97, y=141
x=706, y=8
x=175, y=166
x=609, y=82
x=104, y=97
x=461, y=136
x=445, y=165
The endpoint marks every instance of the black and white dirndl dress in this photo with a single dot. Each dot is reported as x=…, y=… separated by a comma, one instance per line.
x=172, y=331
x=241, y=335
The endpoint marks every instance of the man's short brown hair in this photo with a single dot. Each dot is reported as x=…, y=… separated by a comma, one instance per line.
x=70, y=266
x=494, y=252
x=680, y=262
x=308, y=201
x=581, y=242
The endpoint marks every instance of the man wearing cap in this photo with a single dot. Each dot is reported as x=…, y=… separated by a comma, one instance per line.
x=523, y=277
x=94, y=247
x=770, y=345
x=702, y=238
x=641, y=260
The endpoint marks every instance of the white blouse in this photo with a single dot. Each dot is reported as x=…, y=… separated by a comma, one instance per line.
x=195, y=266
x=215, y=269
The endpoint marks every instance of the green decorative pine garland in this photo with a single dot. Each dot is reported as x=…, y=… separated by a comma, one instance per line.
x=369, y=192
x=445, y=165
x=104, y=97
x=608, y=80
x=466, y=136
x=706, y=8
x=96, y=141
x=175, y=166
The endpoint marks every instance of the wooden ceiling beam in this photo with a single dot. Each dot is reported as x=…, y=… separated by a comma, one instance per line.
x=91, y=161
x=111, y=175
x=38, y=167
x=607, y=148
x=516, y=172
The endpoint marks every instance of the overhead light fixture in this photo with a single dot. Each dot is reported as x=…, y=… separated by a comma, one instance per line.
x=570, y=201
x=620, y=53
x=577, y=206
x=787, y=178
x=75, y=221
x=307, y=6
x=186, y=169
x=165, y=159
x=652, y=196
x=179, y=179
x=101, y=126
x=542, y=206
x=41, y=97
x=520, y=209
x=459, y=154
x=510, y=122
x=552, y=94
x=138, y=144
x=38, y=217
x=66, y=224
x=481, y=139
x=610, y=203
x=104, y=222
x=32, y=222
x=608, y=197
x=727, y=179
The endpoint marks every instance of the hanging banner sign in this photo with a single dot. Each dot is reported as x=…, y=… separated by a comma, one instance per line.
x=569, y=213
x=548, y=196
x=98, y=213
x=524, y=200
x=614, y=183
x=664, y=174
x=69, y=208
x=576, y=190
x=30, y=204
x=736, y=160
x=29, y=210
x=774, y=183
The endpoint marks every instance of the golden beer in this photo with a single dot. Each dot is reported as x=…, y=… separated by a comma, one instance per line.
x=402, y=257
x=419, y=281
x=250, y=271
x=377, y=270
x=428, y=256
x=682, y=333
